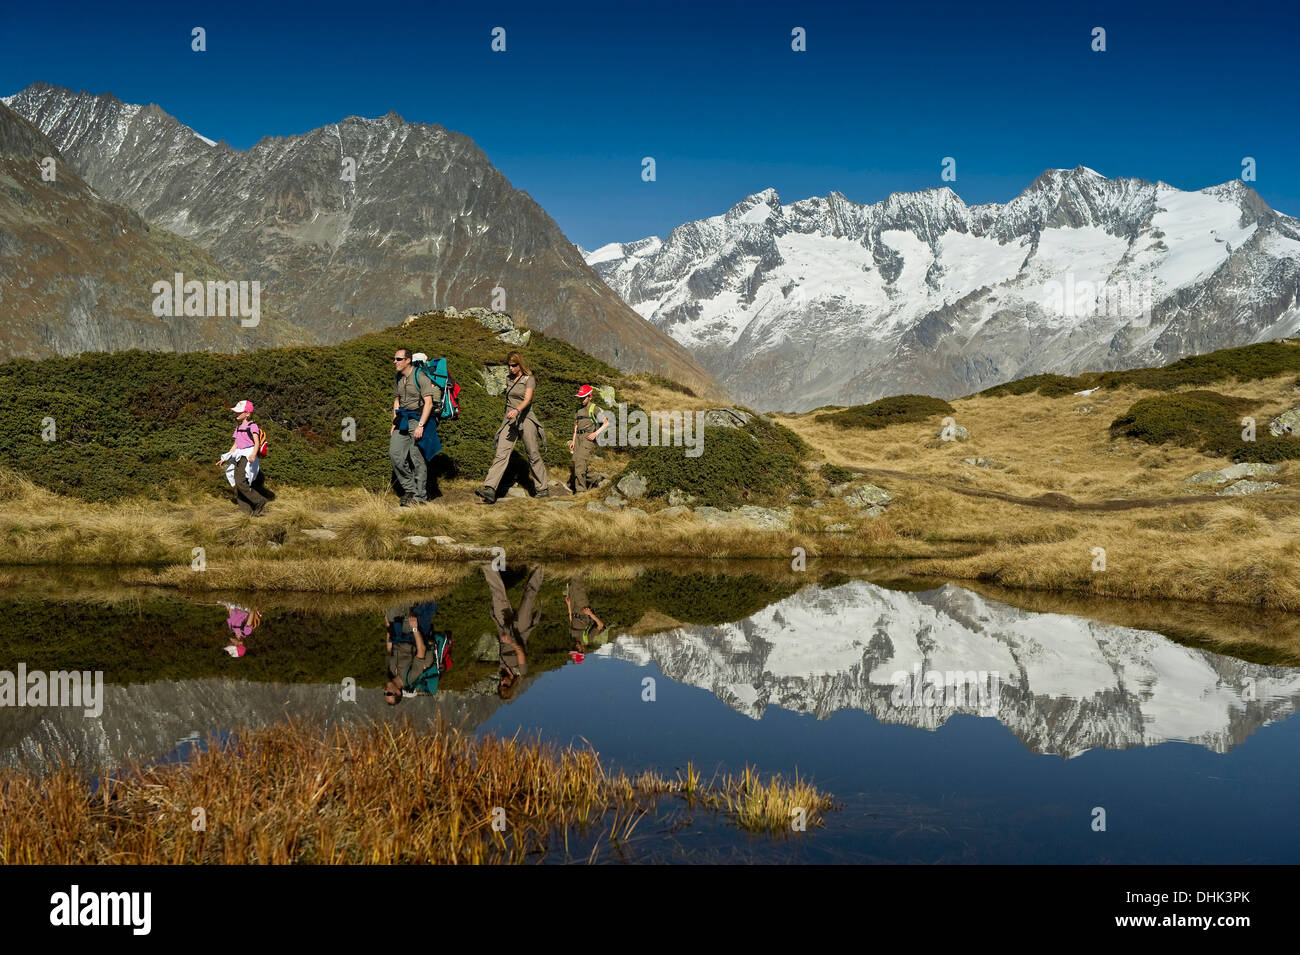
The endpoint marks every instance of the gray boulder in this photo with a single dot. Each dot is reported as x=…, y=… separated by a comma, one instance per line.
x=868, y=495
x=615, y=501
x=726, y=418
x=494, y=379
x=1248, y=487
x=1235, y=472
x=598, y=507
x=416, y=540
x=633, y=486
x=1286, y=423
x=959, y=433
x=677, y=497
x=749, y=515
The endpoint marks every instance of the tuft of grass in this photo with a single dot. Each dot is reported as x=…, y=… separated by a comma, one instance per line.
x=660, y=381
x=373, y=794
x=339, y=575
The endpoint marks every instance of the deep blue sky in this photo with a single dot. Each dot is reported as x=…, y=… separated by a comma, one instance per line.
x=584, y=91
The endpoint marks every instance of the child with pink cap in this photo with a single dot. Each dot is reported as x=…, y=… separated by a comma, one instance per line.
x=242, y=462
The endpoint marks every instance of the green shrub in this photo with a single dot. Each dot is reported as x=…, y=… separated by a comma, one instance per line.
x=1204, y=420
x=1052, y=386
x=737, y=465
x=833, y=474
x=897, y=409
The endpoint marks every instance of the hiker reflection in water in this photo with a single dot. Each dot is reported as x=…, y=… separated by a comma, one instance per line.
x=514, y=626
x=240, y=622
x=585, y=627
x=417, y=655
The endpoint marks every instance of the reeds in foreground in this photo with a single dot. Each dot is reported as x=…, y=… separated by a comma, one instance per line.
x=373, y=793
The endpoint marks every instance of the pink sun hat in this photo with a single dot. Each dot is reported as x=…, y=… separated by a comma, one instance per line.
x=242, y=407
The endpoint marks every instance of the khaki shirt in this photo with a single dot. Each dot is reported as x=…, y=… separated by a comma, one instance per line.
x=409, y=395
x=515, y=392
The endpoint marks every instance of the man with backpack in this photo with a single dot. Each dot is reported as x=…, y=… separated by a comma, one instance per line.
x=413, y=436
x=243, y=461
x=417, y=655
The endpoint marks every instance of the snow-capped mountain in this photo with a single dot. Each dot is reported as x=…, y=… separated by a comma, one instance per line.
x=1065, y=684
x=828, y=301
x=351, y=227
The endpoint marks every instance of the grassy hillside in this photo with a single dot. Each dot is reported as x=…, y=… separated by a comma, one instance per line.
x=154, y=423
x=1246, y=363
x=135, y=421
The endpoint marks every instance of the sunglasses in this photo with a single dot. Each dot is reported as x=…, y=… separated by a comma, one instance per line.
x=399, y=359
x=514, y=364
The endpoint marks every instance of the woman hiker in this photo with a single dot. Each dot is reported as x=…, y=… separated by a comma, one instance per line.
x=585, y=433
x=520, y=422
x=242, y=461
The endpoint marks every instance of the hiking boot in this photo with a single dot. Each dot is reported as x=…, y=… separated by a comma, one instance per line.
x=489, y=496
x=257, y=511
x=544, y=492
x=406, y=501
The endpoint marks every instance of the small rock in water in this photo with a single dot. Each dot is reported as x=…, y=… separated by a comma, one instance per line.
x=416, y=540
x=444, y=541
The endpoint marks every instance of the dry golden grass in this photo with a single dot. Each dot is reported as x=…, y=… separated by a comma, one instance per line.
x=41, y=529
x=337, y=575
x=373, y=794
x=1220, y=550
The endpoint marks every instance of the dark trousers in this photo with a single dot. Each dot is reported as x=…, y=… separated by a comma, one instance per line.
x=245, y=496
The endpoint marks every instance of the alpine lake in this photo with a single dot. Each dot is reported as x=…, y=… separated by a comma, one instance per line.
x=951, y=724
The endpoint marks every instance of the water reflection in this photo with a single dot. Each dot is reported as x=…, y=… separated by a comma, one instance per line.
x=586, y=630
x=240, y=622
x=1064, y=684
x=514, y=626
x=417, y=654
